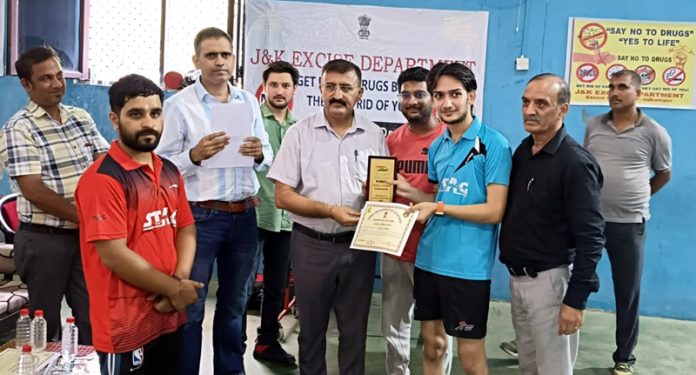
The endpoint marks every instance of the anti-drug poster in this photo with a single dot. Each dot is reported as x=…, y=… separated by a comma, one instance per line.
x=662, y=53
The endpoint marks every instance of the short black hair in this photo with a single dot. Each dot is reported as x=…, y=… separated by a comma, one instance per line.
x=129, y=87
x=31, y=57
x=563, y=96
x=342, y=66
x=415, y=74
x=635, y=77
x=456, y=70
x=281, y=66
x=209, y=33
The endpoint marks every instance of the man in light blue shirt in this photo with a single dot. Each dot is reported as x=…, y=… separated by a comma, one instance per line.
x=222, y=199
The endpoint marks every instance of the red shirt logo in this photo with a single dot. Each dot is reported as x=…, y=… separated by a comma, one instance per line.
x=158, y=219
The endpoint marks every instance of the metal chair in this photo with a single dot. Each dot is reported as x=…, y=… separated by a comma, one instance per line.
x=8, y=226
x=13, y=293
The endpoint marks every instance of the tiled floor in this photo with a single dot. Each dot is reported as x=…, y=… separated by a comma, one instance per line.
x=666, y=346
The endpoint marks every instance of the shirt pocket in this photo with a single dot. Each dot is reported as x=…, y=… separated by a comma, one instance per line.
x=360, y=163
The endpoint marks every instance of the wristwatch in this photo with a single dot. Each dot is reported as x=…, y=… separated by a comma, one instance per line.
x=440, y=209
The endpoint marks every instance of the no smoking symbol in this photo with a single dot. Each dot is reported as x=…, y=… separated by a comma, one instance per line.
x=674, y=76
x=593, y=36
x=587, y=72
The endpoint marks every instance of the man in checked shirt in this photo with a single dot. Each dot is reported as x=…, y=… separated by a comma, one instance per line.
x=46, y=146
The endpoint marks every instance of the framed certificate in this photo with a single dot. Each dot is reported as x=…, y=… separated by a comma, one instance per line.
x=383, y=227
x=381, y=172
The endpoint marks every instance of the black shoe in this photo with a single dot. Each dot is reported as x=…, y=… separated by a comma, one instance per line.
x=274, y=353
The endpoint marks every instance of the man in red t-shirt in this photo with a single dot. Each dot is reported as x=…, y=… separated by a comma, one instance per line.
x=409, y=144
x=137, y=240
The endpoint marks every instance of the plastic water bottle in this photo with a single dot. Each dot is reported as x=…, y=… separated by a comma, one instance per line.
x=25, y=363
x=23, y=329
x=38, y=332
x=69, y=342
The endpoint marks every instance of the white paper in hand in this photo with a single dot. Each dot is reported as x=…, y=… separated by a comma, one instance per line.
x=235, y=120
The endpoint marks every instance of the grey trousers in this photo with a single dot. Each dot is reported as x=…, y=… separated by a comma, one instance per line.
x=331, y=276
x=536, y=304
x=397, y=316
x=51, y=266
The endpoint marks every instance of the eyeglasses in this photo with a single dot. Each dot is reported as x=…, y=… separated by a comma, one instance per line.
x=419, y=95
x=331, y=87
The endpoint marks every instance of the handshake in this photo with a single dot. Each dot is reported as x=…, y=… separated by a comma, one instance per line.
x=185, y=294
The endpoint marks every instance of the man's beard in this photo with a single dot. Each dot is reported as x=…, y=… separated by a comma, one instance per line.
x=276, y=106
x=457, y=121
x=134, y=143
x=422, y=117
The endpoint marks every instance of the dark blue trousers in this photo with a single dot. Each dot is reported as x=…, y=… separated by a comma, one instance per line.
x=625, y=244
x=230, y=239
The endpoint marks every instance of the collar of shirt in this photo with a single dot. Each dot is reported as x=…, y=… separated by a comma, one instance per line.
x=552, y=146
x=469, y=134
x=204, y=96
x=128, y=163
x=38, y=112
x=607, y=120
x=268, y=115
x=439, y=128
x=321, y=121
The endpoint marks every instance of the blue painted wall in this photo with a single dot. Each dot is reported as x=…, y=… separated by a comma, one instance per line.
x=94, y=99
x=669, y=261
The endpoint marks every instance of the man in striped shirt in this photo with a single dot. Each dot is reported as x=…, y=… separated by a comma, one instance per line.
x=46, y=147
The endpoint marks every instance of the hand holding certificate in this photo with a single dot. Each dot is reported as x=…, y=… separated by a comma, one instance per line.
x=383, y=227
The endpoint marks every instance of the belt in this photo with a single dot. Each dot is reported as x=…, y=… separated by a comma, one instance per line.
x=233, y=207
x=46, y=229
x=527, y=270
x=331, y=237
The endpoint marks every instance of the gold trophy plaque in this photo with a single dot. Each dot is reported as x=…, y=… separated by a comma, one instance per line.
x=381, y=173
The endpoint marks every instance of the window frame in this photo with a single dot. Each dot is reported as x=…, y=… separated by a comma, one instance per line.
x=82, y=72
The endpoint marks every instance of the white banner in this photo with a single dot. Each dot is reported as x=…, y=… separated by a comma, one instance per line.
x=381, y=41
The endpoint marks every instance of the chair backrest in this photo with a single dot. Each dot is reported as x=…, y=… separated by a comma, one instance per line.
x=9, y=220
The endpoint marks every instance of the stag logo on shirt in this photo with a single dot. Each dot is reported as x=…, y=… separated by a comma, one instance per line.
x=452, y=185
x=158, y=219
